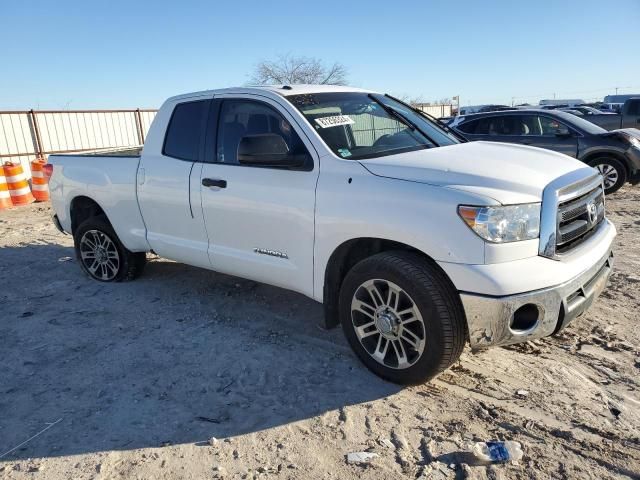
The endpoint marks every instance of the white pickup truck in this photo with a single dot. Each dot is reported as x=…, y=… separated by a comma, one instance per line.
x=415, y=241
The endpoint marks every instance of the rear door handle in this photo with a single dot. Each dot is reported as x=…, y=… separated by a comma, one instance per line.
x=214, y=182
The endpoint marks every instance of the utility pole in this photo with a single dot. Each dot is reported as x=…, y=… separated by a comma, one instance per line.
x=616, y=90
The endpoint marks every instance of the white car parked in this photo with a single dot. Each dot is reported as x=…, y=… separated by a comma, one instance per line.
x=413, y=240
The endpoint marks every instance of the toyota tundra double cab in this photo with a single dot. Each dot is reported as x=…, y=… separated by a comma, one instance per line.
x=414, y=240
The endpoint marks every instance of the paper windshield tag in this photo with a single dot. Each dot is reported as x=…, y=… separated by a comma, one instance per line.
x=334, y=121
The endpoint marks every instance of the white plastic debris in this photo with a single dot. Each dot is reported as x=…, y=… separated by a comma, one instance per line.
x=361, y=457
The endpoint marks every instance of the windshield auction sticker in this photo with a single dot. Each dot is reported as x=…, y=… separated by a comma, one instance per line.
x=334, y=121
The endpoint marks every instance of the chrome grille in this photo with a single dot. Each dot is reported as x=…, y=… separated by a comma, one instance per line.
x=577, y=218
x=572, y=210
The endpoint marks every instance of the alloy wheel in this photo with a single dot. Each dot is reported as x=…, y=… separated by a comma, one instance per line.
x=609, y=173
x=388, y=323
x=99, y=255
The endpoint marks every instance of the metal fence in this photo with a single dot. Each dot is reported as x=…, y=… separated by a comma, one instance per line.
x=367, y=128
x=28, y=134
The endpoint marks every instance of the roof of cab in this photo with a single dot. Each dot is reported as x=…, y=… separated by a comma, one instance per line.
x=282, y=90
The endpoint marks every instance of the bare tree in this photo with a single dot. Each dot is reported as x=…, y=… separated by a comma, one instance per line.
x=420, y=100
x=412, y=100
x=288, y=69
x=444, y=101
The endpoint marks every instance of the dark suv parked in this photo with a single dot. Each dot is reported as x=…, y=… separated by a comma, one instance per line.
x=615, y=154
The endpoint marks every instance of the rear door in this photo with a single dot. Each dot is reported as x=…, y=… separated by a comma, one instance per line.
x=169, y=184
x=260, y=220
x=493, y=128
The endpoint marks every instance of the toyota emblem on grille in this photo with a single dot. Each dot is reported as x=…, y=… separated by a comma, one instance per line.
x=592, y=211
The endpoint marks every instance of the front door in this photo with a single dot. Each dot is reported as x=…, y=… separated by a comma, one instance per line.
x=550, y=133
x=260, y=220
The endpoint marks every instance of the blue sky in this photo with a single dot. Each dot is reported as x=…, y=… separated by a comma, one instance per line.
x=116, y=54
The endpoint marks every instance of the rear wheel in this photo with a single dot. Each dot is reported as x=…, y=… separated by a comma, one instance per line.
x=613, y=172
x=101, y=254
x=402, y=317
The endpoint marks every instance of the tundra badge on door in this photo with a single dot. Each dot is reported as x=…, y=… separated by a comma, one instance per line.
x=273, y=253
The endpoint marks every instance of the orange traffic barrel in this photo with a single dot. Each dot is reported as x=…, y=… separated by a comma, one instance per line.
x=39, y=182
x=5, y=197
x=18, y=184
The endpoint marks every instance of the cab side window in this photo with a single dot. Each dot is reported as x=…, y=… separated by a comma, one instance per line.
x=552, y=127
x=240, y=118
x=184, y=132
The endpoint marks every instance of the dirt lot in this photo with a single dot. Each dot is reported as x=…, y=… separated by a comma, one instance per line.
x=132, y=380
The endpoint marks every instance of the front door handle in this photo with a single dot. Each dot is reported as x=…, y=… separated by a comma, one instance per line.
x=214, y=182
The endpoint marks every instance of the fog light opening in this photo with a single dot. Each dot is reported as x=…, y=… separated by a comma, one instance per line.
x=525, y=317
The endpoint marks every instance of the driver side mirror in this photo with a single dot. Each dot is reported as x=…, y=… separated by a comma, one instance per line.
x=267, y=150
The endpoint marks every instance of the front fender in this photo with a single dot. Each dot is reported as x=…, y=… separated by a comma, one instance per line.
x=420, y=216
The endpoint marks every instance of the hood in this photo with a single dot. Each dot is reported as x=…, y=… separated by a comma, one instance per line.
x=624, y=132
x=504, y=172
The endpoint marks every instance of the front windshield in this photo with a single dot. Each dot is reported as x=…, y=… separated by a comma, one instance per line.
x=357, y=125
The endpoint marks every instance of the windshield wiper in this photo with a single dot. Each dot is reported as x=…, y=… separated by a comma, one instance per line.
x=431, y=118
x=396, y=114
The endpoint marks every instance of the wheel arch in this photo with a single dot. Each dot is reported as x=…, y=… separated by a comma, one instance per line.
x=608, y=153
x=82, y=208
x=345, y=256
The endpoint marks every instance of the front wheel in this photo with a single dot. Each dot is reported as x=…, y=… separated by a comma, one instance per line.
x=101, y=254
x=613, y=173
x=402, y=317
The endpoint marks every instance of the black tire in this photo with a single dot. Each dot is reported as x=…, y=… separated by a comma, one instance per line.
x=603, y=165
x=129, y=264
x=431, y=292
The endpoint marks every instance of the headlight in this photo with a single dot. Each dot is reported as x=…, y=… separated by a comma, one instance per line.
x=511, y=223
x=634, y=142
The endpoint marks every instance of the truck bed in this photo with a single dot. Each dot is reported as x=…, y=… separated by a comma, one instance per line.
x=108, y=177
x=111, y=152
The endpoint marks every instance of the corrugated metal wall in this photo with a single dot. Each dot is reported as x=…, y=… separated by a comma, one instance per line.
x=437, y=111
x=26, y=134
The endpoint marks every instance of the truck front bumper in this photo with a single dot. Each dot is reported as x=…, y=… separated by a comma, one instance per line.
x=518, y=318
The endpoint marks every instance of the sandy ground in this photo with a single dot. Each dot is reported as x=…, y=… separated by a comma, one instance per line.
x=133, y=380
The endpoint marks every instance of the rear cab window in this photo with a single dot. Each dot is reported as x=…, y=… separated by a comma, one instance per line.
x=184, y=133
